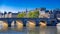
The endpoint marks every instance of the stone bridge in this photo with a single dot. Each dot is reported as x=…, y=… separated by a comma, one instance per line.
x=50, y=22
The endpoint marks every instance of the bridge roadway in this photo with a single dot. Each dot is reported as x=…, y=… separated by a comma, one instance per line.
x=50, y=22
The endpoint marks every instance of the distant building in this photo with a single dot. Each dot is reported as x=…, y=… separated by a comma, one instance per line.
x=10, y=15
x=51, y=14
x=14, y=15
x=41, y=12
x=57, y=14
x=47, y=15
x=5, y=15
x=1, y=15
x=26, y=13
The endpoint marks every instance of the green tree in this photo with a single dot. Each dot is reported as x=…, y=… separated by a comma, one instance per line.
x=21, y=15
x=33, y=14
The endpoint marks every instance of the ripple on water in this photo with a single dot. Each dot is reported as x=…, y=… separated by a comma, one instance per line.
x=37, y=30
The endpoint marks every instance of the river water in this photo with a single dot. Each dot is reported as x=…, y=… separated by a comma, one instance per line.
x=36, y=30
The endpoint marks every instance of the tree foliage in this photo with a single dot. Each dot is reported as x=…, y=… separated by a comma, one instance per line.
x=30, y=14
x=21, y=15
x=33, y=14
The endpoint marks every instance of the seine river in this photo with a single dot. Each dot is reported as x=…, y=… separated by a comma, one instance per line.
x=36, y=30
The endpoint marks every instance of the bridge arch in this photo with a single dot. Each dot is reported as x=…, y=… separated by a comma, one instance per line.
x=31, y=24
x=42, y=23
x=3, y=25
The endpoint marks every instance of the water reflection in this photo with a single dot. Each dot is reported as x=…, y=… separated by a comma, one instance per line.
x=33, y=30
x=30, y=24
x=42, y=30
x=58, y=28
x=51, y=30
x=45, y=30
x=36, y=30
x=3, y=26
x=19, y=25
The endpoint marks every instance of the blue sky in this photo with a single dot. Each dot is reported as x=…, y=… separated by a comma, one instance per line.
x=21, y=5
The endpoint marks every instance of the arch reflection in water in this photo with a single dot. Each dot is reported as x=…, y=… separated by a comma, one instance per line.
x=42, y=30
x=5, y=26
x=30, y=24
x=19, y=25
x=33, y=31
x=1, y=25
x=48, y=30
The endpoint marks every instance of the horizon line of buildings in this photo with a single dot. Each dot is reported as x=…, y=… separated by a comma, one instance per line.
x=43, y=13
